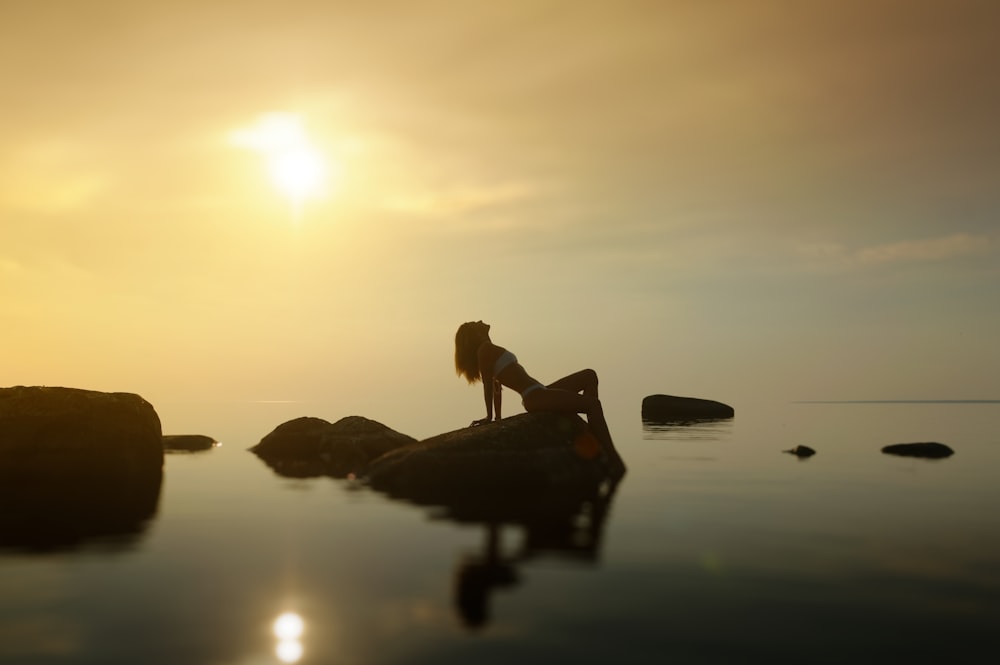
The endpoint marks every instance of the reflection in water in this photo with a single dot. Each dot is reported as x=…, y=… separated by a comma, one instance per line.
x=477, y=576
x=289, y=651
x=689, y=429
x=570, y=528
x=288, y=628
x=78, y=507
x=565, y=529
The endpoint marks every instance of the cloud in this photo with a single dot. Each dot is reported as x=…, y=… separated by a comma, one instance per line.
x=50, y=176
x=931, y=249
x=925, y=250
x=460, y=200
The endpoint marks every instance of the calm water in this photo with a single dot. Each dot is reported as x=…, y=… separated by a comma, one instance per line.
x=715, y=548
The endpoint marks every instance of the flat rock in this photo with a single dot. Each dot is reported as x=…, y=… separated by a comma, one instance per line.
x=929, y=450
x=187, y=443
x=528, y=460
x=76, y=465
x=670, y=408
x=309, y=447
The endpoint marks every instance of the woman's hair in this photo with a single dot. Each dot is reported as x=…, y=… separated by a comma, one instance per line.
x=467, y=341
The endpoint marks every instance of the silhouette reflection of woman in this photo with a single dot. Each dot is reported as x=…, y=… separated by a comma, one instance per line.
x=477, y=358
x=478, y=576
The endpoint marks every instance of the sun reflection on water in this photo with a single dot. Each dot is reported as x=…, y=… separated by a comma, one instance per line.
x=289, y=651
x=288, y=628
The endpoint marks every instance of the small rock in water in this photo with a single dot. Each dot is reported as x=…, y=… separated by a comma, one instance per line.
x=801, y=451
x=930, y=450
x=670, y=408
x=187, y=443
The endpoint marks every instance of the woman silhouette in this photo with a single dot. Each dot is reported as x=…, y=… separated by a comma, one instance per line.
x=477, y=358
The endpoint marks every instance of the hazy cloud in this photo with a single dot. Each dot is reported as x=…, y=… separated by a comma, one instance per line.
x=50, y=176
x=924, y=250
x=460, y=199
x=931, y=249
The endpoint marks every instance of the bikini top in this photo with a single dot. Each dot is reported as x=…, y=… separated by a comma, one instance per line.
x=505, y=360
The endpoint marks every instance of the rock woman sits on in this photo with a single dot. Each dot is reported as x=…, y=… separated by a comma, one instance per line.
x=477, y=358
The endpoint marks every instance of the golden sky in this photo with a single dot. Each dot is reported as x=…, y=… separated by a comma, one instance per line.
x=708, y=198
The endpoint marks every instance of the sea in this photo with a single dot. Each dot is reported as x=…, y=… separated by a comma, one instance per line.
x=715, y=547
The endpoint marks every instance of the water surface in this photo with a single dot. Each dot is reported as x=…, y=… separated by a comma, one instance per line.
x=715, y=548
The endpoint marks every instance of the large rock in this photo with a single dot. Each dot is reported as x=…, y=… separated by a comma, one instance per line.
x=76, y=465
x=543, y=472
x=529, y=461
x=308, y=447
x=669, y=408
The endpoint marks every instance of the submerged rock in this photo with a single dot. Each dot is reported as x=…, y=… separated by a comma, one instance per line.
x=801, y=451
x=76, y=465
x=930, y=450
x=308, y=447
x=187, y=443
x=527, y=460
x=669, y=408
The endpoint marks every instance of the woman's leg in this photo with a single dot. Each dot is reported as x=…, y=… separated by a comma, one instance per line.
x=558, y=399
x=584, y=381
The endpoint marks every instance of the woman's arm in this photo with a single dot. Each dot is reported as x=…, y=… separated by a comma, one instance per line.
x=497, y=397
x=486, y=375
x=488, y=398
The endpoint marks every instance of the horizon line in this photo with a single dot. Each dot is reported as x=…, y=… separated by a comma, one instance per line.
x=897, y=401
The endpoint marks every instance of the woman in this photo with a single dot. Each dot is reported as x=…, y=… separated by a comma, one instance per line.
x=477, y=358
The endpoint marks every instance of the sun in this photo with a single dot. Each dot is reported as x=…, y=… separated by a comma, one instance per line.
x=299, y=173
x=296, y=167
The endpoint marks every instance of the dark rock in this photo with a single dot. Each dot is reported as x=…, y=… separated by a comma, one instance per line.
x=76, y=465
x=308, y=447
x=930, y=450
x=52, y=431
x=801, y=451
x=187, y=443
x=527, y=461
x=543, y=472
x=668, y=408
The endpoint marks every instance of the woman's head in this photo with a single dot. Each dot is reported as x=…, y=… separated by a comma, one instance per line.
x=468, y=339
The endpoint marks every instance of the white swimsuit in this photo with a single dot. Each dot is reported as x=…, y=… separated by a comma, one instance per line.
x=507, y=359
x=530, y=389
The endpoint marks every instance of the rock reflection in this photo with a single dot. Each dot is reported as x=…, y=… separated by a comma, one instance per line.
x=571, y=528
x=566, y=524
x=687, y=428
x=110, y=509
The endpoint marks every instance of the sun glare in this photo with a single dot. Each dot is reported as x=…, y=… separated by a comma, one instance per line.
x=296, y=167
x=288, y=628
x=298, y=173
